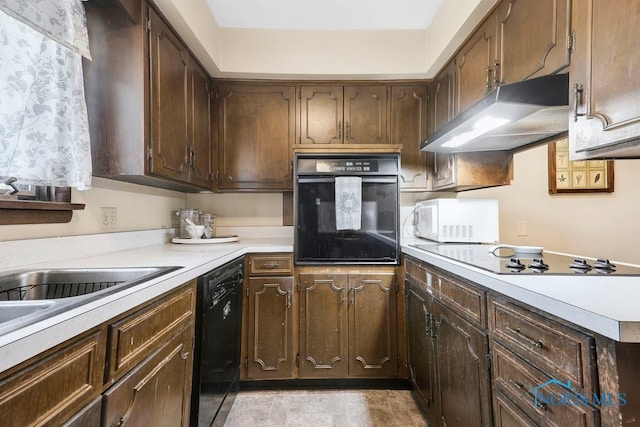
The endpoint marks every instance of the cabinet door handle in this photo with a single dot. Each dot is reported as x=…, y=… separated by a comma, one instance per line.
x=523, y=337
x=270, y=266
x=352, y=300
x=346, y=133
x=489, y=81
x=339, y=130
x=577, y=99
x=289, y=299
x=535, y=400
x=496, y=74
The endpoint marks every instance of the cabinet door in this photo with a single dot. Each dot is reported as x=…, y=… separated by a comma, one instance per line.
x=476, y=66
x=463, y=371
x=270, y=335
x=605, y=67
x=443, y=170
x=372, y=325
x=256, y=132
x=201, y=159
x=421, y=348
x=169, y=61
x=365, y=114
x=533, y=38
x=442, y=99
x=321, y=115
x=323, y=325
x=409, y=128
x=158, y=391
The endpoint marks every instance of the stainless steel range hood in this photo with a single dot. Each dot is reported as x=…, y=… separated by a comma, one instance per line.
x=509, y=117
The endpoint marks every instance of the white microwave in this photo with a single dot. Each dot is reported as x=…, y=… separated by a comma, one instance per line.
x=457, y=220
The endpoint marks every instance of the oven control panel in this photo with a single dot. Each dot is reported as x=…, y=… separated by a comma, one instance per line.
x=347, y=166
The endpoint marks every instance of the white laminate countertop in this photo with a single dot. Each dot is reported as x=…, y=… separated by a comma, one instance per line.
x=195, y=260
x=609, y=306
x=606, y=305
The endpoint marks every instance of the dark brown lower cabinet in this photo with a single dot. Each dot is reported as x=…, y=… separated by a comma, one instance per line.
x=50, y=389
x=157, y=391
x=448, y=356
x=348, y=324
x=135, y=369
x=421, y=348
x=372, y=325
x=462, y=366
x=324, y=338
x=270, y=349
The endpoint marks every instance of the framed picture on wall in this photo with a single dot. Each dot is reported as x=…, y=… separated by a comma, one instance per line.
x=583, y=176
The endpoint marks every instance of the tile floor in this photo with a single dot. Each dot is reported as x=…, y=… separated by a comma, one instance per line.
x=319, y=408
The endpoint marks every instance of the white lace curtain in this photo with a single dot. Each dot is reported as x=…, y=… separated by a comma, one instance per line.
x=44, y=131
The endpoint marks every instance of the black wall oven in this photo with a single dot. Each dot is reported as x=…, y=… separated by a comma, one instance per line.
x=346, y=209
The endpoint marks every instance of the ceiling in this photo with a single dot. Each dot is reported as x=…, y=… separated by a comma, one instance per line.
x=324, y=14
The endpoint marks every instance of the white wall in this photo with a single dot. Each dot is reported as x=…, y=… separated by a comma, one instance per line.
x=229, y=52
x=138, y=208
x=240, y=209
x=595, y=224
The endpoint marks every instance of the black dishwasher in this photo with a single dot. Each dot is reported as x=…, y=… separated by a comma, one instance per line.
x=217, y=346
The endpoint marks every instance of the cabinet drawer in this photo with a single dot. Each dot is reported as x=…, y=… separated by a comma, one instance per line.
x=506, y=414
x=415, y=271
x=530, y=390
x=467, y=301
x=52, y=389
x=271, y=265
x=558, y=350
x=156, y=391
x=134, y=337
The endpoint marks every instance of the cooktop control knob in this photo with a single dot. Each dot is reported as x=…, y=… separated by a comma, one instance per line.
x=515, y=264
x=580, y=265
x=538, y=265
x=604, y=265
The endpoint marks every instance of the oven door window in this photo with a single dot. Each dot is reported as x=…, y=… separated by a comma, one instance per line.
x=318, y=240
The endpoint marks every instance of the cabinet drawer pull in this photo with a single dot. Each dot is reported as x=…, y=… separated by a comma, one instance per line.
x=270, y=265
x=530, y=341
x=521, y=388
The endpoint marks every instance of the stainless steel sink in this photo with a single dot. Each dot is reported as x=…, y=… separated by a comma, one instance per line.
x=27, y=296
x=65, y=283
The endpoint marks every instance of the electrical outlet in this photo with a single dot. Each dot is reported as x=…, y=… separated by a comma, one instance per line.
x=108, y=218
x=521, y=228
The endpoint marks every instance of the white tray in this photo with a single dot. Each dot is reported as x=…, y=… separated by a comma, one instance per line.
x=217, y=239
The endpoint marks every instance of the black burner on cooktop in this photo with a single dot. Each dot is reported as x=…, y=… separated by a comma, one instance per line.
x=547, y=263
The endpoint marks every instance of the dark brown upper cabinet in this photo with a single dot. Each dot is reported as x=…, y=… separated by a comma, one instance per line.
x=605, y=80
x=442, y=97
x=256, y=133
x=409, y=128
x=331, y=114
x=148, y=101
x=533, y=38
x=477, y=66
